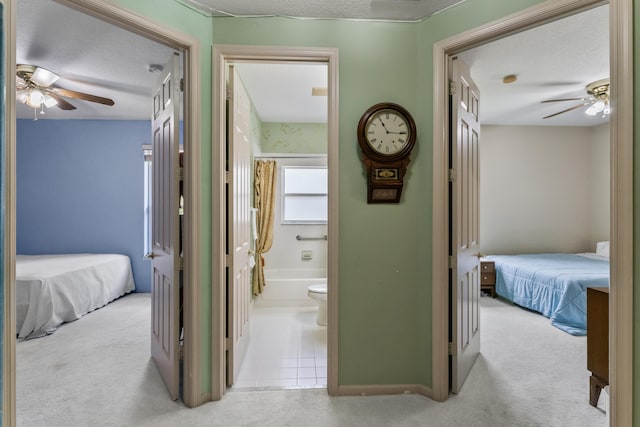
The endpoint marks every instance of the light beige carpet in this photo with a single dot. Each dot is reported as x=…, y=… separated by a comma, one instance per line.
x=97, y=372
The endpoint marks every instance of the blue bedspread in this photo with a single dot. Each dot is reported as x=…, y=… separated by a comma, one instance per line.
x=552, y=284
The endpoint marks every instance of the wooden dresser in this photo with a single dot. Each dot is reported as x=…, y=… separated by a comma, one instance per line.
x=597, y=341
x=488, y=277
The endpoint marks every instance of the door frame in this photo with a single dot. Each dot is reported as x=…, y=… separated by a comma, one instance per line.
x=8, y=349
x=222, y=54
x=190, y=47
x=621, y=140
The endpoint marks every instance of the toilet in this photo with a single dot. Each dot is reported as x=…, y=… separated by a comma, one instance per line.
x=319, y=294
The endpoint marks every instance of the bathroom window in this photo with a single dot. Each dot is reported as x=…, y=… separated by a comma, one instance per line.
x=304, y=195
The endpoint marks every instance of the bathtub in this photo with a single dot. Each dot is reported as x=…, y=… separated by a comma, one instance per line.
x=288, y=287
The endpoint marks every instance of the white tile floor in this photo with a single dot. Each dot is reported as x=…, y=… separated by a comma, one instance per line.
x=287, y=349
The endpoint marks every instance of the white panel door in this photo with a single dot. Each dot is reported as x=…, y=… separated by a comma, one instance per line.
x=464, y=245
x=165, y=232
x=239, y=225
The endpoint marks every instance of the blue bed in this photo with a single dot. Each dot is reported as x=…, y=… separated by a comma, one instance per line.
x=552, y=284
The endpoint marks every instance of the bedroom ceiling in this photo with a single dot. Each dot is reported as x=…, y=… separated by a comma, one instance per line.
x=87, y=53
x=554, y=61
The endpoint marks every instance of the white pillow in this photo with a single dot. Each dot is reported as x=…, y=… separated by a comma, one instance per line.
x=602, y=249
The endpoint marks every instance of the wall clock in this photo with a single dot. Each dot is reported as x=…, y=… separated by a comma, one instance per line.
x=386, y=134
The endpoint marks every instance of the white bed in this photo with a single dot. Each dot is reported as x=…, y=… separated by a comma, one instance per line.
x=53, y=289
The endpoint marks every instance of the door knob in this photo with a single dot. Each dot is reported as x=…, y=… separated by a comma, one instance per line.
x=150, y=255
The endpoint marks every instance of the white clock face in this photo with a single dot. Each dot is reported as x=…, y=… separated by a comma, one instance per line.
x=387, y=132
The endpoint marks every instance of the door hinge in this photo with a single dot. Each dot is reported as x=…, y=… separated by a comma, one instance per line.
x=452, y=175
x=227, y=177
x=227, y=343
x=452, y=349
x=227, y=260
x=452, y=87
x=452, y=262
x=181, y=85
x=181, y=353
x=229, y=93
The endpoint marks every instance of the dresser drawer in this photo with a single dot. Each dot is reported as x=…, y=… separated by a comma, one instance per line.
x=487, y=267
x=488, y=278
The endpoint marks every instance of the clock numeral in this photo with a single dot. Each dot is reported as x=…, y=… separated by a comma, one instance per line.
x=386, y=116
x=371, y=132
x=374, y=140
x=401, y=141
x=401, y=124
x=379, y=147
x=387, y=149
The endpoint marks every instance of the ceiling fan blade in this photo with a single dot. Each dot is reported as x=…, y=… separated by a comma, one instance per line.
x=84, y=96
x=62, y=104
x=567, y=110
x=566, y=99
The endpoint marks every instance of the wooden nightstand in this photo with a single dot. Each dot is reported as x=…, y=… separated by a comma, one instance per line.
x=488, y=277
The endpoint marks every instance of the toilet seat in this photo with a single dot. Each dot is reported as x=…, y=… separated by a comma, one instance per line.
x=319, y=294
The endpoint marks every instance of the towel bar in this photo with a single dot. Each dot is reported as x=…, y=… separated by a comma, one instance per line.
x=299, y=237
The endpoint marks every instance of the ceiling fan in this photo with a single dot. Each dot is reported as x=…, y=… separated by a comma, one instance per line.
x=598, y=100
x=35, y=87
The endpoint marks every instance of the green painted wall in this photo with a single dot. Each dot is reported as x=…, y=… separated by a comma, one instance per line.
x=310, y=138
x=381, y=337
x=385, y=251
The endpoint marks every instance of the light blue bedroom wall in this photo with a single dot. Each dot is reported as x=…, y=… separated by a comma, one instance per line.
x=80, y=189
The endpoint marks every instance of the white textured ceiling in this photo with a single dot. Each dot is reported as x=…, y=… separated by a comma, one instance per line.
x=553, y=61
x=391, y=10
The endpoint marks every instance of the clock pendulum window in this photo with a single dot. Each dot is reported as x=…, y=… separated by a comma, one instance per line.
x=386, y=135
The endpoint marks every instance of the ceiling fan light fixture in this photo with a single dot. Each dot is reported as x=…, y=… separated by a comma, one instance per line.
x=22, y=96
x=43, y=77
x=36, y=98
x=595, y=108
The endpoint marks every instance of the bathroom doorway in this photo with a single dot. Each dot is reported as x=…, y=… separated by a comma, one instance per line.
x=287, y=347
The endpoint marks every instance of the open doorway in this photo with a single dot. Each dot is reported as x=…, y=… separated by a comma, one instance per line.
x=544, y=199
x=316, y=162
x=94, y=132
x=621, y=124
x=287, y=123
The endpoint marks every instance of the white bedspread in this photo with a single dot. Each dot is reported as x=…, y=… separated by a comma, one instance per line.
x=52, y=289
